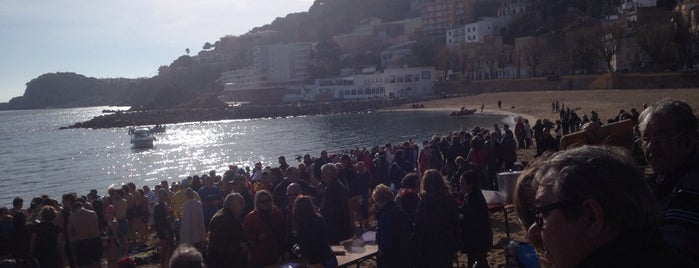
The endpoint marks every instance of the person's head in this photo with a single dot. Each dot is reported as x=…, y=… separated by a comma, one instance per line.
x=4, y=212
x=468, y=182
x=399, y=155
x=234, y=203
x=590, y=195
x=263, y=201
x=189, y=193
x=410, y=181
x=164, y=185
x=382, y=195
x=293, y=174
x=68, y=200
x=328, y=173
x=460, y=161
x=293, y=191
x=17, y=202
x=668, y=135
x=275, y=175
x=186, y=256
x=209, y=181
x=162, y=195
x=304, y=210
x=239, y=183
x=433, y=183
x=47, y=213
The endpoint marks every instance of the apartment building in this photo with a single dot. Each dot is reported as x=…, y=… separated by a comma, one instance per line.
x=440, y=15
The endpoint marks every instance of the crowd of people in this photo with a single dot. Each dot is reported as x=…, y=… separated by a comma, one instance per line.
x=424, y=202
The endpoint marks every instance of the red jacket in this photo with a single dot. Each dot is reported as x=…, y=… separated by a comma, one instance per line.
x=268, y=238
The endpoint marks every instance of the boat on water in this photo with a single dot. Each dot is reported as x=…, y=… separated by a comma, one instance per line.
x=463, y=112
x=157, y=129
x=141, y=138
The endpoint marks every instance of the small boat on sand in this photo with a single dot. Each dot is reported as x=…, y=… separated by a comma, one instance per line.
x=463, y=112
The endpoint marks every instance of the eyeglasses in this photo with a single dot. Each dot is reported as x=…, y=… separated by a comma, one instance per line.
x=537, y=212
x=659, y=139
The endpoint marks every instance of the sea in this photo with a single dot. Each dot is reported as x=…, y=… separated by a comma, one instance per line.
x=37, y=158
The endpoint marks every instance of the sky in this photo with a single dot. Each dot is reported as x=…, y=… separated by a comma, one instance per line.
x=117, y=38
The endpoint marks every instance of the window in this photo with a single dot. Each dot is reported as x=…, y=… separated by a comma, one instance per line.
x=354, y=92
x=400, y=79
x=360, y=92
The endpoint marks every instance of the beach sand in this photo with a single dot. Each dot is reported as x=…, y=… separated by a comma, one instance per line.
x=537, y=105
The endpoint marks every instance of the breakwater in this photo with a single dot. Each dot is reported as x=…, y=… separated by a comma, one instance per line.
x=172, y=116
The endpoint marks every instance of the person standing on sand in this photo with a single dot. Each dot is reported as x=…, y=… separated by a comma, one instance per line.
x=509, y=150
x=596, y=197
x=499, y=104
x=334, y=206
x=192, y=230
x=436, y=223
x=45, y=239
x=227, y=243
x=669, y=142
x=313, y=234
x=264, y=227
x=476, y=233
x=394, y=231
x=163, y=220
x=84, y=235
x=211, y=199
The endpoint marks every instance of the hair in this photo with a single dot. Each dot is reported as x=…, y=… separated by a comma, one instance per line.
x=605, y=174
x=399, y=155
x=329, y=168
x=304, y=211
x=47, y=213
x=460, y=160
x=294, y=188
x=69, y=197
x=259, y=195
x=17, y=202
x=410, y=180
x=231, y=198
x=476, y=143
x=525, y=193
x=382, y=194
x=471, y=177
x=433, y=184
x=685, y=119
x=186, y=256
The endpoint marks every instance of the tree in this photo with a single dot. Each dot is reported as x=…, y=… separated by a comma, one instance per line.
x=582, y=49
x=656, y=41
x=607, y=40
x=187, y=50
x=533, y=54
x=207, y=46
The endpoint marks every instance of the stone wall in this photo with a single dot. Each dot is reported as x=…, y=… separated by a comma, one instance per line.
x=573, y=82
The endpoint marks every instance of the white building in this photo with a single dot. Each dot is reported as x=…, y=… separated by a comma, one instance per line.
x=392, y=56
x=283, y=62
x=629, y=5
x=389, y=83
x=475, y=32
x=273, y=65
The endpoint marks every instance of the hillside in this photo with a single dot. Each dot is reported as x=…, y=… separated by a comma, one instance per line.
x=190, y=77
